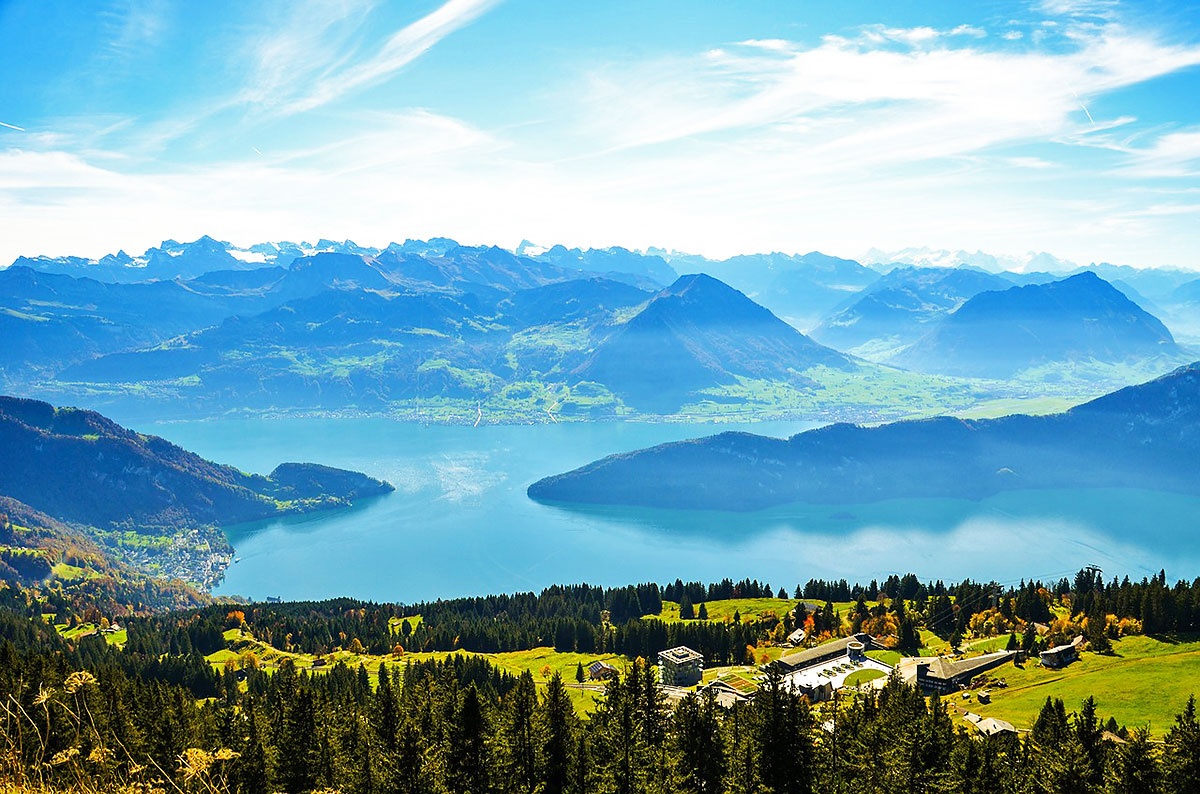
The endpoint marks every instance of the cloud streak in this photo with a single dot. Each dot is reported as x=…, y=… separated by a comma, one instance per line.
x=342, y=74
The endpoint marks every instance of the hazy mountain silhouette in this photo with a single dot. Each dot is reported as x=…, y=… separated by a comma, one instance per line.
x=1145, y=436
x=697, y=333
x=998, y=334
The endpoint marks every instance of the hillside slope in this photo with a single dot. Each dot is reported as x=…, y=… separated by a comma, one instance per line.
x=1145, y=436
x=79, y=466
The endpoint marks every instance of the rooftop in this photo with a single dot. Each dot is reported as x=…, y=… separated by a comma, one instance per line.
x=680, y=655
x=990, y=726
x=1064, y=648
x=949, y=669
x=833, y=648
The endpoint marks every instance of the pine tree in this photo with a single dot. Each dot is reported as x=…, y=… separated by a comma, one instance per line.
x=579, y=672
x=702, y=614
x=686, y=611
x=1135, y=769
x=408, y=774
x=1089, y=732
x=1181, y=751
x=618, y=745
x=250, y=776
x=697, y=745
x=468, y=767
x=1030, y=639
x=558, y=726
x=783, y=730
x=299, y=751
x=521, y=739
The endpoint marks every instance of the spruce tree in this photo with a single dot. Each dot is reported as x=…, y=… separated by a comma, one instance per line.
x=521, y=739
x=1089, y=732
x=697, y=745
x=1181, y=751
x=1135, y=769
x=299, y=751
x=250, y=775
x=558, y=728
x=468, y=767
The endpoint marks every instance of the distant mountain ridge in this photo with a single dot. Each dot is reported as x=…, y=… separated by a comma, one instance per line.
x=898, y=307
x=1145, y=436
x=536, y=331
x=997, y=334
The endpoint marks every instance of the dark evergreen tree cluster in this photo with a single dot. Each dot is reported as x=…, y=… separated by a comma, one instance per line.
x=463, y=726
x=698, y=592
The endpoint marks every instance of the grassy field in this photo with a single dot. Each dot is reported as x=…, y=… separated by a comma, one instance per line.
x=517, y=662
x=887, y=657
x=748, y=608
x=863, y=676
x=1145, y=682
x=83, y=629
x=1034, y=406
x=396, y=623
x=932, y=644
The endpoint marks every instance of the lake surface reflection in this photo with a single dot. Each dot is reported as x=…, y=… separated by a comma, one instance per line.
x=460, y=523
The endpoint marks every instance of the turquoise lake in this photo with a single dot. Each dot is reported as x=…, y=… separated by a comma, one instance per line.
x=459, y=522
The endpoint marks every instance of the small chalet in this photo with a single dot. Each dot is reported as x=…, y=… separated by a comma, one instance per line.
x=1062, y=655
x=601, y=671
x=990, y=726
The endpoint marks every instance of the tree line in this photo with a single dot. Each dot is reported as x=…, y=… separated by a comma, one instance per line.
x=462, y=726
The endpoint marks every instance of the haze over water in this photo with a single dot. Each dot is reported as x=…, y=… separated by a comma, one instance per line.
x=459, y=522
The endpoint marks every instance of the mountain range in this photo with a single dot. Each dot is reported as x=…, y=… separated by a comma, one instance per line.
x=1145, y=436
x=591, y=333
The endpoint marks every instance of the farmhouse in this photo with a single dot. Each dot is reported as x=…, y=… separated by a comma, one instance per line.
x=680, y=666
x=990, y=726
x=1062, y=655
x=601, y=671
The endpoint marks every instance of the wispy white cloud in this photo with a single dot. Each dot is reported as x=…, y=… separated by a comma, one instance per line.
x=873, y=100
x=133, y=26
x=1171, y=155
x=293, y=78
x=311, y=38
x=1104, y=9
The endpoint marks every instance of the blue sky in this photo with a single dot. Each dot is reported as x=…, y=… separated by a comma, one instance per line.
x=1069, y=126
